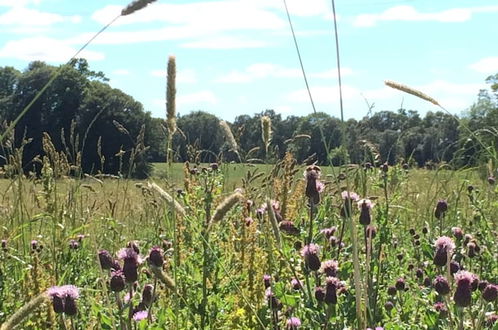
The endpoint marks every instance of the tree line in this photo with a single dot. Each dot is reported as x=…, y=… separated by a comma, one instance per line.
x=101, y=129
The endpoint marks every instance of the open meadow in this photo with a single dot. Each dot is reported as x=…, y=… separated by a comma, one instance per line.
x=338, y=247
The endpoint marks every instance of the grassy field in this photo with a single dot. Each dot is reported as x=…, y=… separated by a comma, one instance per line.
x=205, y=249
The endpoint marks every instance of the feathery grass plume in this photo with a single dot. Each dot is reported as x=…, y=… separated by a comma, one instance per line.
x=273, y=222
x=266, y=131
x=16, y=318
x=161, y=276
x=167, y=197
x=225, y=206
x=227, y=132
x=412, y=91
x=135, y=6
x=171, y=96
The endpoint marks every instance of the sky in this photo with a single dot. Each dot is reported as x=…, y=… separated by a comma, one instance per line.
x=237, y=57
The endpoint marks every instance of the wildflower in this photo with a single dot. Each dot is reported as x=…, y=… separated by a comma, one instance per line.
x=463, y=293
x=441, y=208
x=490, y=293
x=454, y=267
x=331, y=285
x=391, y=291
x=400, y=284
x=328, y=232
x=64, y=299
x=482, y=285
x=333, y=241
x=139, y=316
x=441, y=285
x=273, y=302
x=267, y=280
x=296, y=284
x=166, y=244
x=131, y=261
x=389, y=305
x=348, y=198
x=288, y=227
x=133, y=245
x=491, y=180
x=472, y=249
x=368, y=166
x=313, y=184
x=293, y=323
x=117, y=282
x=441, y=308
x=74, y=245
x=384, y=167
x=214, y=166
x=405, y=166
x=156, y=257
x=310, y=254
x=319, y=293
x=248, y=221
x=329, y=268
x=491, y=320
x=444, y=249
x=371, y=231
x=365, y=205
x=419, y=273
x=457, y=232
x=148, y=294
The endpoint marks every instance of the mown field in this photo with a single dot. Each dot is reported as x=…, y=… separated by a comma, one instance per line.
x=248, y=247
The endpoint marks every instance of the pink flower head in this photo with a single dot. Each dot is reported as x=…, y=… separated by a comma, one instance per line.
x=350, y=195
x=139, y=316
x=330, y=267
x=365, y=204
x=464, y=277
x=130, y=255
x=64, y=291
x=457, y=232
x=327, y=232
x=445, y=243
x=320, y=186
x=293, y=323
x=310, y=249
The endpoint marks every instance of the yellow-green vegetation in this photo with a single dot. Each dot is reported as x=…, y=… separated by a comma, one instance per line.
x=199, y=273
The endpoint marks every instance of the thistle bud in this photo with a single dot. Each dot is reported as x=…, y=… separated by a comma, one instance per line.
x=441, y=285
x=117, y=283
x=156, y=257
x=441, y=208
x=331, y=286
x=310, y=254
x=490, y=293
x=463, y=292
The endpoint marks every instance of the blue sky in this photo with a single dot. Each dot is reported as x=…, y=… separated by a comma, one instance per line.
x=237, y=57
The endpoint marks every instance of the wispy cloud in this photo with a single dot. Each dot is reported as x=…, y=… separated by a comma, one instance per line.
x=487, y=65
x=44, y=49
x=270, y=70
x=410, y=13
x=121, y=72
x=21, y=16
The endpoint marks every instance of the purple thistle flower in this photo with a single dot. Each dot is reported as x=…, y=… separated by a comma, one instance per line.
x=457, y=232
x=491, y=180
x=310, y=254
x=441, y=285
x=148, y=294
x=319, y=293
x=249, y=221
x=117, y=282
x=131, y=261
x=400, y=284
x=444, y=249
x=312, y=176
x=331, y=285
x=296, y=284
x=105, y=259
x=267, y=280
x=348, y=198
x=454, y=267
x=463, y=293
x=491, y=320
x=64, y=299
x=140, y=315
x=156, y=257
x=371, y=231
x=329, y=268
x=441, y=308
x=288, y=227
x=293, y=323
x=490, y=293
x=74, y=244
x=327, y=232
x=365, y=205
x=273, y=302
x=441, y=208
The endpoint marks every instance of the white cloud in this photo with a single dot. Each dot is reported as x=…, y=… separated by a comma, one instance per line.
x=186, y=76
x=486, y=65
x=201, y=97
x=224, y=42
x=322, y=94
x=121, y=72
x=44, y=49
x=409, y=13
x=20, y=16
x=266, y=70
x=18, y=3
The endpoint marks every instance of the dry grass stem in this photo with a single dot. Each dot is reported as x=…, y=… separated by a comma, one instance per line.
x=411, y=91
x=167, y=197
